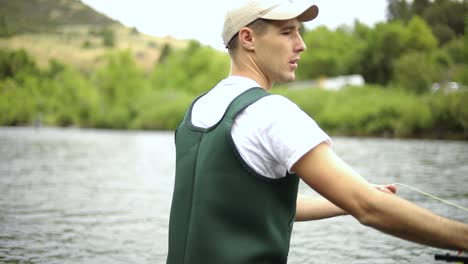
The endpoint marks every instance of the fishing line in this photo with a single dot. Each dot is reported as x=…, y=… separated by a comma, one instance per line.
x=432, y=196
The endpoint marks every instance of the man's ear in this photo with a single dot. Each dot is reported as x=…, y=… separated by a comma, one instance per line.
x=246, y=37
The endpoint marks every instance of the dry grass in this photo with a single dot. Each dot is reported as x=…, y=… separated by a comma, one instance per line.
x=68, y=46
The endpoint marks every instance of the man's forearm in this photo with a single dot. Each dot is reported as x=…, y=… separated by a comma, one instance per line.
x=315, y=208
x=331, y=177
x=406, y=220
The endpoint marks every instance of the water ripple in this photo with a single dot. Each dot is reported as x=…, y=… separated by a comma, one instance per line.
x=97, y=196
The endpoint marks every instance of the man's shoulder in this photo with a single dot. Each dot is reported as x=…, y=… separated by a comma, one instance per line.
x=275, y=103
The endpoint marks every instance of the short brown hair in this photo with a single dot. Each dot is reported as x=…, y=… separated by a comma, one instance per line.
x=259, y=26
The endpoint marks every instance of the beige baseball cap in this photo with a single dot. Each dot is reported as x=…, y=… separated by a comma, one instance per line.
x=241, y=15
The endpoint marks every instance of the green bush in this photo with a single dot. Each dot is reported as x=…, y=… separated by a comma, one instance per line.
x=14, y=62
x=195, y=69
x=415, y=72
x=373, y=111
x=121, y=95
x=16, y=104
x=449, y=112
x=460, y=74
x=161, y=110
x=108, y=37
x=460, y=111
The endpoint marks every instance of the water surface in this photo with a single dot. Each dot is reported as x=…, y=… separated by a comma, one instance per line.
x=99, y=196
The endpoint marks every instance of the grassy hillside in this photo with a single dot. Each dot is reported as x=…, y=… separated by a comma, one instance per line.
x=72, y=32
x=25, y=16
x=76, y=46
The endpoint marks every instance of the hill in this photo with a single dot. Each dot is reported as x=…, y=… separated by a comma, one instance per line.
x=26, y=16
x=72, y=32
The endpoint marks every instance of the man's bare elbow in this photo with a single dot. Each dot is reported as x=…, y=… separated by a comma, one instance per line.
x=366, y=219
x=367, y=213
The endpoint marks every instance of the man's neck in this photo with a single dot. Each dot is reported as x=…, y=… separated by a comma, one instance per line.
x=250, y=70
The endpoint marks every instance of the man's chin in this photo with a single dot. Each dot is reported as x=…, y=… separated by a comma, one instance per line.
x=287, y=79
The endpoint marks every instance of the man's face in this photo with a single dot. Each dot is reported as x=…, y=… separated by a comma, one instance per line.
x=277, y=50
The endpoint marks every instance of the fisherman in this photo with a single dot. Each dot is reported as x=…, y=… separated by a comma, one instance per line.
x=240, y=153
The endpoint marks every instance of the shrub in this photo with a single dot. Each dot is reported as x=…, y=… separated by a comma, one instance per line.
x=415, y=72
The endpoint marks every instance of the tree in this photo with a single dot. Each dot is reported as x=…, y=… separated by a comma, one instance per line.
x=14, y=62
x=361, y=30
x=194, y=69
x=419, y=6
x=420, y=37
x=443, y=33
x=398, y=10
x=414, y=72
x=450, y=13
x=445, y=17
x=108, y=37
x=119, y=82
x=166, y=50
x=332, y=52
x=386, y=43
x=389, y=41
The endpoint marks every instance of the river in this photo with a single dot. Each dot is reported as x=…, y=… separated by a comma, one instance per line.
x=101, y=196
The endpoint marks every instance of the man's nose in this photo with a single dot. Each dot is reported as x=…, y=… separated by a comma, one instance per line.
x=301, y=46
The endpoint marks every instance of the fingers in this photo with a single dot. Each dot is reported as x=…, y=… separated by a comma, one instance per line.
x=391, y=189
x=384, y=189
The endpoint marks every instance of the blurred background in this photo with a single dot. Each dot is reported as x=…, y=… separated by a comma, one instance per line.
x=91, y=91
x=403, y=72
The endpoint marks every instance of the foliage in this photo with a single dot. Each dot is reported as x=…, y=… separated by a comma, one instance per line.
x=457, y=50
x=13, y=63
x=195, y=69
x=134, y=31
x=108, y=37
x=333, y=53
x=373, y=111
x=117, y=95
x=415, y=72
x=460, y=73
x=398, y=10
x=74, y=99
x=449, y=112
x=420, y=36
x=423, y=43
x=386, y=43
x=166, y=50
x=161, y=110
x=445, y=17
x=390, y=41
x=120, y=95
x=119, y=83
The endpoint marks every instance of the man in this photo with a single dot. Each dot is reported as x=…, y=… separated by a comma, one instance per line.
x=240, y=153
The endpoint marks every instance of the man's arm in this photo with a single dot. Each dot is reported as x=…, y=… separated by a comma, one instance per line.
x=331, y=177
x=316, y=208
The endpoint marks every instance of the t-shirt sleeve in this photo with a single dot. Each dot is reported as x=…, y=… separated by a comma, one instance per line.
x=285, y=132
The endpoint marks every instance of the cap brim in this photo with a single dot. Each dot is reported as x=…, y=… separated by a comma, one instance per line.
x=301, y=10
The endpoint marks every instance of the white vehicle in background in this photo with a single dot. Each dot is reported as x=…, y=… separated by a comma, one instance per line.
x=447, y=87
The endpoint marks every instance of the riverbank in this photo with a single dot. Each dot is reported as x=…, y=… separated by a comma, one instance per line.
x=120, y=95
x=376, y=112
x=354, y=112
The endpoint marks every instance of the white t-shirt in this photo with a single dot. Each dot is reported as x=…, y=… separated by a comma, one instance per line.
x=271, y=134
